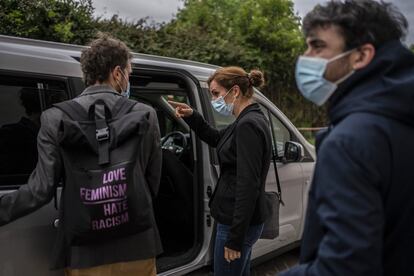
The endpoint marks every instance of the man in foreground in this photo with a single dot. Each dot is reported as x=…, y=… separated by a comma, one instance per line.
x=360, y=211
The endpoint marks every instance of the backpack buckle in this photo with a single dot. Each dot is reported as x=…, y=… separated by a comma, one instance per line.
x=102, y=134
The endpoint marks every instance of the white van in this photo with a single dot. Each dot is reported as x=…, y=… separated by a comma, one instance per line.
x=35, y=74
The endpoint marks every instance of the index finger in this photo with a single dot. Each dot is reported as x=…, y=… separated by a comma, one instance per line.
x=177, y=104
x=226, y=255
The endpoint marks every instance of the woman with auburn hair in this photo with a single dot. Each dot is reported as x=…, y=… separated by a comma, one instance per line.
x=244, y=149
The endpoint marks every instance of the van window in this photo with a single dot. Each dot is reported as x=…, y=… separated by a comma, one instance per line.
x=170, y=125
x=21, y=102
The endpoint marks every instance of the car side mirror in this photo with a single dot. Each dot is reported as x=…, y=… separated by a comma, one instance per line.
x=294, y=152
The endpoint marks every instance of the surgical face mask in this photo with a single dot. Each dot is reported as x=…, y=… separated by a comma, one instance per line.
x=310, y=81
x=125, y=93
x=221, y=106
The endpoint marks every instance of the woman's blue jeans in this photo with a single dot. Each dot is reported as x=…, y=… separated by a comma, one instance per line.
x=239, y=266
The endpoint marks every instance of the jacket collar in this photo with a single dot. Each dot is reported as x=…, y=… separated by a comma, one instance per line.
x=249, y=108
x=384, y=87
x=99, y=88
x=254, y=107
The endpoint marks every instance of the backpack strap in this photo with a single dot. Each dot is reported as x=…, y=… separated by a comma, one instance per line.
x=275, y=157
x=122, y=107
x=102, y=131
x=73, y=109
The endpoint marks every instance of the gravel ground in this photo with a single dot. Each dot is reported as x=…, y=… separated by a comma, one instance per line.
x=268, y=268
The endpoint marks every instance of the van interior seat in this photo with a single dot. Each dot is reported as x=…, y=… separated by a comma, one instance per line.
x=174, y=204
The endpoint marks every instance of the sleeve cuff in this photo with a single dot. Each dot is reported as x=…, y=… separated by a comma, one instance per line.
x=190, y=120
x=233, y=245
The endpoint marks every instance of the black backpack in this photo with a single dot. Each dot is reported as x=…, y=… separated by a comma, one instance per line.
x=105, y=194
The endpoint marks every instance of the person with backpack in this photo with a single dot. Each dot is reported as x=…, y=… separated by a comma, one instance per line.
x=105, y=150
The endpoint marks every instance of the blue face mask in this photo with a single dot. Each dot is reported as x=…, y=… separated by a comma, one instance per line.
x=221, y=106
x=125, y=93
x=310, y=81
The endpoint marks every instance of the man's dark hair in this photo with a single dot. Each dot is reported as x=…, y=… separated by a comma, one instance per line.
x=103, y=55
x=360, y=21
x=29, y=98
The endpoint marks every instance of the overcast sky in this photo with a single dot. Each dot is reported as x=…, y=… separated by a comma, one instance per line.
x=164, y=10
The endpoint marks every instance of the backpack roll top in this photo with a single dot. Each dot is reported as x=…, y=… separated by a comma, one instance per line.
x=134, y=123
x=80, y=132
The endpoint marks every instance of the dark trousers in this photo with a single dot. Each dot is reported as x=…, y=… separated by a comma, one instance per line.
x=238, y=267
x=140, y=267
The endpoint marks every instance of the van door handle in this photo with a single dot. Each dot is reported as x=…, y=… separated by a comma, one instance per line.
x=56, y=223
x=209, y=191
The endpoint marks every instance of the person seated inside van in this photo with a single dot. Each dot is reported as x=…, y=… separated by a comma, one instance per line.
x=18, y=151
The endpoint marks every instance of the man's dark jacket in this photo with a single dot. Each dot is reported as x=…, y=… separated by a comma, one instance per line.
x=244, y=151
x=360, y=217
x=40, y=189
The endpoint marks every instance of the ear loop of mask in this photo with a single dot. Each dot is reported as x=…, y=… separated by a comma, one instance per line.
x=338, y=57
x=229, y=92
x=117, y=82
x=341, y=55
x=345, y=77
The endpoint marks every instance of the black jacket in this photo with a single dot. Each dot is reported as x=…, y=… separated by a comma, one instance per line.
x=40, y=189
x=244, y=151
x=360, y=217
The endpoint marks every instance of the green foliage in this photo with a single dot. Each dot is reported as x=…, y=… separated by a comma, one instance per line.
x=67, y=21
x=262, y=34
x=139, y=36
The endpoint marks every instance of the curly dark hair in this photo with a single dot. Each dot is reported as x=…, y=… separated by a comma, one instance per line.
x=29, y=98
x=361, y=21
x=103, y=55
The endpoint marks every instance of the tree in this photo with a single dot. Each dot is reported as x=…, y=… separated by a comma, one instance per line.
x=261, y=34
x=139, y=36
x=69, y=21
